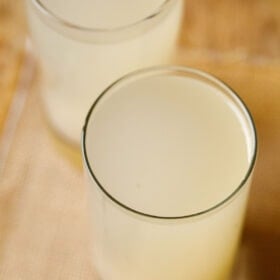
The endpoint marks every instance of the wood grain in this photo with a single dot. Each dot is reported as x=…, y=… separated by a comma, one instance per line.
x=12, y=34
x=249, y=28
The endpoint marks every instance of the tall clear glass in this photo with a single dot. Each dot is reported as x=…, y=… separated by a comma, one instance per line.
x=169, y=154
x=83, y=46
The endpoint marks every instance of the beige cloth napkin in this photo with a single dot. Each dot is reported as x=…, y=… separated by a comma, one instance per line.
x=43, y=217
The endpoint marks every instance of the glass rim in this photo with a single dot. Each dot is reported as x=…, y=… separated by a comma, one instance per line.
x=187, y=71
x=44, y=10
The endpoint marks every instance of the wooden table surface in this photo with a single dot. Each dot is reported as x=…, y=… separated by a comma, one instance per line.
x=236, y=40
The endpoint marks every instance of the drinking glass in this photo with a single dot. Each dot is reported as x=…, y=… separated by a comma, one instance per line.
x=169, y=154
x=83, y=46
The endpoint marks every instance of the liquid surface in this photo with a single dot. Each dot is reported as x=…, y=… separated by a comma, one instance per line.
x=103, y=13
x=168, y=146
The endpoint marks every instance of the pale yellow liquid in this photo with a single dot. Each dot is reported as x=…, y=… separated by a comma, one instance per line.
x=103, y=14
x=77, y=68
x=167, y=146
